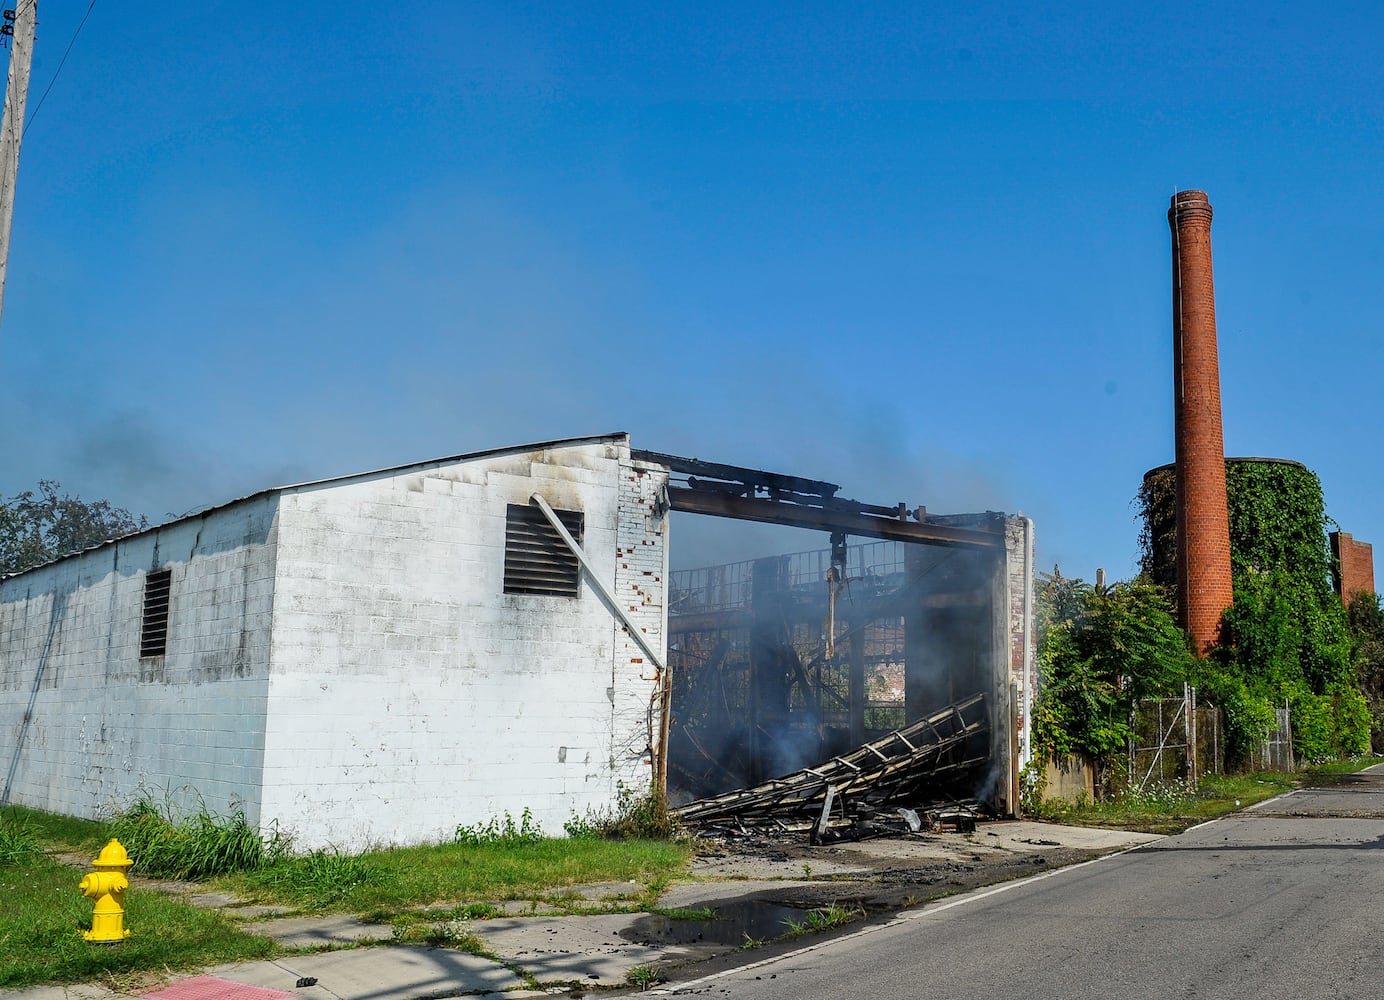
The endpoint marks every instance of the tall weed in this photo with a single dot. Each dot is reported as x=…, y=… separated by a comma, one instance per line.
x=636, y=816
x=197, y=846
x=17, y=843
x=504, y=832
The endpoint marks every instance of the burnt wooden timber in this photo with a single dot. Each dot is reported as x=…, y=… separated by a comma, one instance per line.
x=701, y=501
x=905, y=763
x=752, y=478
x=774, y=498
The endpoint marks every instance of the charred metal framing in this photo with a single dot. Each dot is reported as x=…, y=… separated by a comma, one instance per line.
x=754, y=495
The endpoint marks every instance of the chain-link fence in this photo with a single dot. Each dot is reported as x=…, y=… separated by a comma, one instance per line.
x=1276, y=752
x=1163, y=741
x=1176, y=739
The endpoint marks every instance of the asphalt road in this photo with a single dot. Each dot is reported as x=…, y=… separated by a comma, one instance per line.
x=1285, y=900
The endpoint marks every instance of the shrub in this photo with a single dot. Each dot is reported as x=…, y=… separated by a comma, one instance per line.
x=1248, y=716
x=1366, y=624
x=1353, y=721
x=1312, y=725
x=636, y=815
x=1100, y=650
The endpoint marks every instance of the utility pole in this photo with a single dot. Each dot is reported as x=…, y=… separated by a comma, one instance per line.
x=19, y=24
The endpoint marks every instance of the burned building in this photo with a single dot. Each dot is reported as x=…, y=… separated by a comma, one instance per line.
x=378, y=657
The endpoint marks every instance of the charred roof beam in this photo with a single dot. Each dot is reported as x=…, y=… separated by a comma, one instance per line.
x=773, y=498
x=754, y=478
x=834, y=518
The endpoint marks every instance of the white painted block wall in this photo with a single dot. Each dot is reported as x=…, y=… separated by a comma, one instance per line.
x=410, y=694
x=106, y=725
x=342, y=660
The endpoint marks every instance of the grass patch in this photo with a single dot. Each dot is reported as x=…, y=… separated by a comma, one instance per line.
x=58, y=833
x=642, y=977
x=821, y=919
x=446, y=934
x=44, y=915
x=1173, y=807
x=314, y=881
x=402, y=879
x=1349, y=765
x=1169, y=808
x=684, y=912
x=471, y=911
x=17, y=843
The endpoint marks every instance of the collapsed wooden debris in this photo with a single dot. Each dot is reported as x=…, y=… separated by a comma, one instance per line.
x=867, y=791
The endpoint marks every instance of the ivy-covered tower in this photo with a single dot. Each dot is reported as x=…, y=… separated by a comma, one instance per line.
x=1204, y=588
x=1280, y=559
x=1276, y=520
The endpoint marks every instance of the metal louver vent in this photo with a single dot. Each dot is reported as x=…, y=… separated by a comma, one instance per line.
x=537, y=561
x=153, y=633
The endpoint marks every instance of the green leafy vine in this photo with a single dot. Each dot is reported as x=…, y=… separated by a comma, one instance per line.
x=1286, y=637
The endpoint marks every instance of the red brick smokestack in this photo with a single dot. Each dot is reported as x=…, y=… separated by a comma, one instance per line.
x=1203, y=524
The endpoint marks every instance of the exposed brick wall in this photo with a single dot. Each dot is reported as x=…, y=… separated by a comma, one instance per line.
x=1354, y=565
x=641, y=569
x=1204, y=581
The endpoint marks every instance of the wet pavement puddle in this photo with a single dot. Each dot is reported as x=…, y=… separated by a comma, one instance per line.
x=736, y=922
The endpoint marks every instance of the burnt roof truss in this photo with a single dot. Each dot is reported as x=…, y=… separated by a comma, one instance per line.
x=699, y=487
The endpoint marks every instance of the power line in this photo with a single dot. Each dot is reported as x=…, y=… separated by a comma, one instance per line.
x=61, y=64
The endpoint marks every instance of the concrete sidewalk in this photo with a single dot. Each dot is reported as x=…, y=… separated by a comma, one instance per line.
x=542, y=954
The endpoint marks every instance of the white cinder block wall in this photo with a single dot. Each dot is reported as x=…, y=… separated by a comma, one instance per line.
x=409, y=693
x=106, y=725
x=342, y=659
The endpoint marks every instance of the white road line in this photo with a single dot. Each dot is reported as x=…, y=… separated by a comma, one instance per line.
x=926, y=910
x=1283, y=795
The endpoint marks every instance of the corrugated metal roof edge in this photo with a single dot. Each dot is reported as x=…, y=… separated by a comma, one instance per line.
x=391, y=470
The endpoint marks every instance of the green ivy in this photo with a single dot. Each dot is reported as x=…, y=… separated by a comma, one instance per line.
x=1285, y=637
x=1365, y=621
x=1353, y=721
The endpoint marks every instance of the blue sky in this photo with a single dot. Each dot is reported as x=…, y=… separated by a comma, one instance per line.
x=920, y=253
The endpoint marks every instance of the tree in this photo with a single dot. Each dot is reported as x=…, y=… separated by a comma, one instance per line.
x=1099, y=651
x=36, y=528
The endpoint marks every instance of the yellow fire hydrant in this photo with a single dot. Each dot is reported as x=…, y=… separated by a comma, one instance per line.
x=107, y=885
